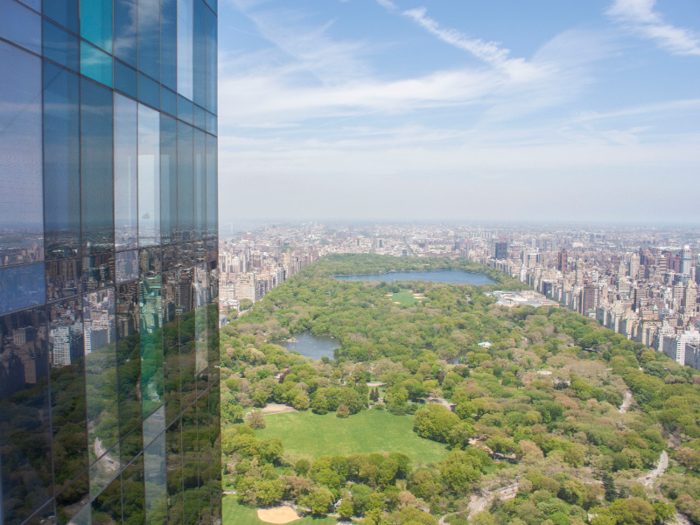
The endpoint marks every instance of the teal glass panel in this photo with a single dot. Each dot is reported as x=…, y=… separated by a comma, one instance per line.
x=199, y=64
x=211, y=61
x=124, y=78
x=96, y=23
x=200, y=118
x=185, y=110
x=20, y=25
x=34, y=4
x=150, y=303
x=149, y=91
x=126, y=222
x=212, y=187
x=125, y=28
x=168, y=179
x=149, y=37
x=61, y=46
x=213, y=5
x=149, y=177
x=155, y=477
x=168, y=101
x=64, y=12
x=185, y=194
x=95, y=64
x=200, y=184
x=185, y=48
x=168, y=43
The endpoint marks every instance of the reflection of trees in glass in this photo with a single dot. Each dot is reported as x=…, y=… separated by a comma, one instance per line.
x=101, y=388
x=151, y=343
x=173, y=440
x=107, y=507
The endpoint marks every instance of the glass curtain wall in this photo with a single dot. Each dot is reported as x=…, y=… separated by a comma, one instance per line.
x=109, y=381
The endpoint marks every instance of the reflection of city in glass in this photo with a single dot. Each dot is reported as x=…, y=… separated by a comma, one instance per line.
x=109, y=382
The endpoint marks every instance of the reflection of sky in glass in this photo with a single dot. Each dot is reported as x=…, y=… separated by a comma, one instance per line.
x=149, y=176
x=185, y=48
x=125, y=153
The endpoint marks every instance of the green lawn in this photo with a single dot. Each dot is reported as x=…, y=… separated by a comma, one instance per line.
x=405, y=297
x=235, y=514
x=309, y=434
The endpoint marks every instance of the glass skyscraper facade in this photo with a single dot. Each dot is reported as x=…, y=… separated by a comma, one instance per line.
x=109, y=353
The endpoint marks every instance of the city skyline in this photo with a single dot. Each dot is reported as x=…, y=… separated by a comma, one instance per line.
x=429, y=111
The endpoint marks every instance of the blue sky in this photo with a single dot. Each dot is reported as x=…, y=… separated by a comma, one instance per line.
x=460, y=110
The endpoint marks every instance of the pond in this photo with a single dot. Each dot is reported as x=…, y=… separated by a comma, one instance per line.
x=440, y=276
x=313, y=346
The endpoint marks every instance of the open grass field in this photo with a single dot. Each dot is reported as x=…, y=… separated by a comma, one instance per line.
x=405, y=297
x=235, y=514
x=309, y=434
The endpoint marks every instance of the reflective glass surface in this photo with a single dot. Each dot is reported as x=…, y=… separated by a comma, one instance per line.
x=127, y=266
x=185, y=110
x=125, y=174
x=150, y=328
x=21, y=213
x=134, y=504
x=98, y=271
x=149, y=91
x=200, y=118
x=212, y=187
x=149, y=176
x=174, y=474
x=201, y=298
x=200, y=184
x=155, y=477
x=168, y=101
x=96, y=22
x=61, y=46
x=190, y=458
x=107, y=507
x=185, y=48
x=22, y=286
x=20, y=25
x=168, y=179
x=211, y=59
x=71, y=500
x=25, y=431
x=63, y=278
x=64, y=12
x=185, y=182
x=168, y=43
x=125, y=79
x=200, y=56
x=204, y=446
x=149, y=37
x=95, y=64
x=171, y=351
x=125, y=31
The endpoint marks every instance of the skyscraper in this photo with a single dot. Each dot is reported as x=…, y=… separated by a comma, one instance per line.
x=501, y=250
x=109, y=381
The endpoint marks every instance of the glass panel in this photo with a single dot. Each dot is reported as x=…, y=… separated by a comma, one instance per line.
x=98, y=271
x=200, y=118
x=168, y=179
x=213, y=342
x=217, y=512
x=45, y=515
x=212, y=187
x=201, y=297
x=200, y=184
x=190, y=456
x=168, y=43
x=185, y=48
x=150, y=328
x=124, y=78
x=173, y=441
x=21, y=208
x=22, y=286
x=211, y=124
x=104, y=470
x=101, y=376
x=168, y=101
x=211, y=61
x=96, y=22
x=107, y=507
x=25, y=431
x=200, y=55
x=61, y=162
x=133, y=493
x=149, y=91
x=61, y=47
x=97, y=177
x=212, y=4
x=127, y=266
x=125, y=31
x=95, y=64
x=155, y=473
x=129, y=368
x=153, y=426
x=70, y=449
x=72, y=500
x=187, y=341
x=185, y=205
x=185, y=110
x=20, y=25
x=149, y=41
x=171, y=351
x=149, y=176
x=63, y=278
x=204, y=445
x=64, y=12
x=34, y=4
x=125, y=183
x=83, y=518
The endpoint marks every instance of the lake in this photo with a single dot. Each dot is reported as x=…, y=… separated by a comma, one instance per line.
x=440, y=276
x=313, y=346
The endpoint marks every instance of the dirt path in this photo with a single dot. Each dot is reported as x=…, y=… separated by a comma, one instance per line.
x=626, y=402
x=479, y=503
x=649, y=480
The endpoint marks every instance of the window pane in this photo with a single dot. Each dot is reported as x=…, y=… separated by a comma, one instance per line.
x=149, y=176
x=61, y=162
x=185, y=182
x=149, y=40
x=187, y=339
x=21, y=208
x=212, y=4
x=185, y=48
x=168, y=179
x=200, y=184
x=95, y=64
x=69, y=503
x=125, y=31
x=201, y=293
x=70, y=457
x=133, y=493
x=173, y=442
x=149, y=91
x=20, y=25
x=101, y=381
x=64, y=12
x=127, y=266
x=168, y=101
x=150, y=324
x=211, y=124
x=61, y=47
x=168, y=43
x=153, y=426
x=171, y=351
x=211, y=61
x=125, y=182
x=63, y=278
x=96, y=22
x=25, y=431
x=200, y=55
x=212, y=187
x=204, y=451
x=97, y=178
x=200, y=118
x=22, y=286
x=107, y=507
x=98, y=271
x=124, y=78
x=190, y=456
x=155, y=474
x=185, y=110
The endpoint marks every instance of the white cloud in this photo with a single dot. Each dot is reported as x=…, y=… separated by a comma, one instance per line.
x=640, y=17
x=387, y=4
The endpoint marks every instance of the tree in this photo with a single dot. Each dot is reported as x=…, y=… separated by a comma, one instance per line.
x=255, y=420
x=460, y=435
x=346, y=508
x=301, y=467
x=434, y=422
x=319, y=501
x=609, y=486
x=664, y=512
x=342, y=411
x=460, y=471
x=301, y=401
x=269, y=492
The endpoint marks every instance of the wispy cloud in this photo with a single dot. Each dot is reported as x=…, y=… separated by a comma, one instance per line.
x=388, y=4
x=640, y=17
x=489, y=52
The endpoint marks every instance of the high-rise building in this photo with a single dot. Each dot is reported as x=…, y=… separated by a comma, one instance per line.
x=589, y=298
x=501, y=250
x=562, y=260
x=109, y=381
x=686, y=259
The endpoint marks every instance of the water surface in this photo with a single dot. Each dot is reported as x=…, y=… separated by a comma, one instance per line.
x=439, y=276
x=313, y=346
